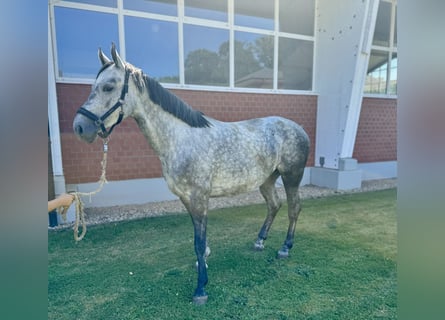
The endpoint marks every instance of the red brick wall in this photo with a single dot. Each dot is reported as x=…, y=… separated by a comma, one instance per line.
x=377, y=131
x=130, y=156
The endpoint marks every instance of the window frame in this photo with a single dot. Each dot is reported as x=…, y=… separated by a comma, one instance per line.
x=182, y=19
x=390, y=50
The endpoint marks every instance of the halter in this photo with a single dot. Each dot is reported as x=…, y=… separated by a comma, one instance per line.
x=99, y=122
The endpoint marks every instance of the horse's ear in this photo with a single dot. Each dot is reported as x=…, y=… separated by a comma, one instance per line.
x=117, y=60
x=103, y=58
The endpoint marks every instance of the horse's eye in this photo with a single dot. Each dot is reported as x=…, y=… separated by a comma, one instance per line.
x=107, y=87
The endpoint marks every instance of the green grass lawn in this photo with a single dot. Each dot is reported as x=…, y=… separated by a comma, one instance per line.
x=342, y=266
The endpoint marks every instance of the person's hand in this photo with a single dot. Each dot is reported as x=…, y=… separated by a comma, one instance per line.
x=66, y=199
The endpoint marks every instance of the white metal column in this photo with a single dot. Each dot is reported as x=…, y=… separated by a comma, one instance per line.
x=53, y=116
x=343, y=39
x=54, y=130
x=359, y=77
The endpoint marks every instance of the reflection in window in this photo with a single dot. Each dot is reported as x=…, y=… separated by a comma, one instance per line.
x=214, y=10
x=295, y=64
x=206, y=53
x=156, y=37
x=258, y=14
x=382, y=67
x=106, y=3
x=148, y=49
x=253, y=60
x=395, y=28
x=297, y=16
x=167, y=7
x=392, y=87
x=77, y=43
x=382, y=25
x=377, y=72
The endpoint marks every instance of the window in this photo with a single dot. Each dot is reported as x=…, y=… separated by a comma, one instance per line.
x=376, y=79
x=253, y=60
x=106, y=3
x=233, y=44
x=206, y=52
x=382, y=68
x=166, y=7
x=297, y=16
x=383, y=25
x=395, y=28
x=77, y=43
x=392, y=85
x=295, y=64
x=148, y=49
x=258, y=14
x=204, y=9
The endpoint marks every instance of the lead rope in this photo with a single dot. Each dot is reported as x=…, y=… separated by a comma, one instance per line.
x=80, y=213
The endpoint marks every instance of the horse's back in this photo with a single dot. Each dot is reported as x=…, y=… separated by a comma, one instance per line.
x=277, y=131
x=288, y=140
x=246, y=153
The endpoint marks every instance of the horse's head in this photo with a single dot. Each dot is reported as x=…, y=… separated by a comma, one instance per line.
x=105, y=107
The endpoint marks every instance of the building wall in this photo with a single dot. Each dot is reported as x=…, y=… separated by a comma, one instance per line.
x=130, y=156
x=376, y=138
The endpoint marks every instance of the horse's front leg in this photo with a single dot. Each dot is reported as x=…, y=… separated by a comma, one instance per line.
x=200, y=224
x=197, y=208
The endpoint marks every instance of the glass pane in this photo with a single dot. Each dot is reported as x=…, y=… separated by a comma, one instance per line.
x=255, y=14
x=77, y=43
x=382, y=25
x=106, y=3
x=167, y=7
x=297, y=16
x=206, y=53
x=392, y=88
x=213, y=10
x=152, y=45
x=395, y=30
x=295, y=59
x=253, y=60
x=377, y=72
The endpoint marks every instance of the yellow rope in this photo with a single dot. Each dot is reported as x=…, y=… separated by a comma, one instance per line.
x=80, y=214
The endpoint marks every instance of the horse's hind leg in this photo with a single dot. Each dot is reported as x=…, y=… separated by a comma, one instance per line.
x=269, y=193
x=291, y=183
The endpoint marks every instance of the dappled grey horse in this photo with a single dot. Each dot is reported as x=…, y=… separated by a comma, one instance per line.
x=201, y=157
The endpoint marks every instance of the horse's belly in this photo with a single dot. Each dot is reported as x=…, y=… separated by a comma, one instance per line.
x=231, y=190
x=243, y=168
x=229, y=184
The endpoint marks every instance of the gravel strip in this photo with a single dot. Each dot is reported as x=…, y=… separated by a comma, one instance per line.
x=99, y=215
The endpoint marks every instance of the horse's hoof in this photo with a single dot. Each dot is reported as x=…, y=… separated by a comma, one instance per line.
x=258, y=245
x=282, y=254
x=200, y=300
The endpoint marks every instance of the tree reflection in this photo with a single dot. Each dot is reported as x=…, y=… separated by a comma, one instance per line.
x=206, y=67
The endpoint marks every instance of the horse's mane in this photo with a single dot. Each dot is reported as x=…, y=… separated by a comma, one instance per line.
x=172, y=104
x=167, y=100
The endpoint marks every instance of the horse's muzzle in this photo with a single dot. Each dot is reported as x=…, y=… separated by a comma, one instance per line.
x=84, y=128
